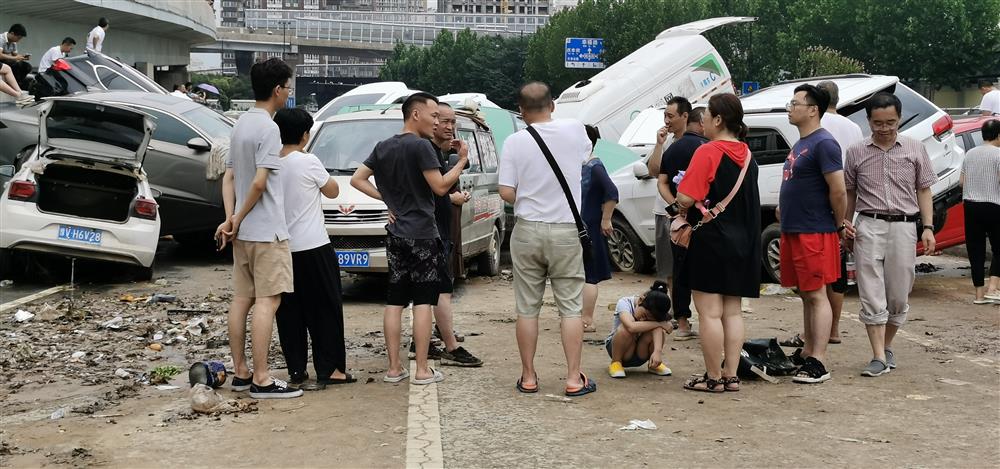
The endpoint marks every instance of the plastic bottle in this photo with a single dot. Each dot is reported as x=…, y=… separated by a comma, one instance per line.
x=851, y=272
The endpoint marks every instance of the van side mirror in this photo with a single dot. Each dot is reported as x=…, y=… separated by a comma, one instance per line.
x=7, y=171
x=199, y=144
x=640, y=170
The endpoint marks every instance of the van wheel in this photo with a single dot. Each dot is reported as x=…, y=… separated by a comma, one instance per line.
x=625, y=250
x=489, y=261
x=770, y=241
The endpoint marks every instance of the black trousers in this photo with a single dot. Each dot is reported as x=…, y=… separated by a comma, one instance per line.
x=315, y=308
x=982, y=220
x=680, y=296
x=21, y=70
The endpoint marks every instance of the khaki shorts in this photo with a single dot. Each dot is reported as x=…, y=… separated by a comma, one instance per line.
x=552, y=251
x=261, y=269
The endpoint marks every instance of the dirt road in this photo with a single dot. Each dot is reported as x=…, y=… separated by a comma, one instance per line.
x=940, y=408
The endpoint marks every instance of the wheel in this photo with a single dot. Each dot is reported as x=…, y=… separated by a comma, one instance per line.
x=625, y=249
x=142, y=274
x=198, y=240
x=770, y=241
x=489, y=261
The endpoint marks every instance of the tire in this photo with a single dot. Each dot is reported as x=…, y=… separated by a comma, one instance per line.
x=625, y=249
x=142, y=274
x=770, y=247
x=199, y=240
x=488, y=262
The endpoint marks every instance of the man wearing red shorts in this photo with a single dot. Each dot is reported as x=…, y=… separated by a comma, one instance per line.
x=812, y=204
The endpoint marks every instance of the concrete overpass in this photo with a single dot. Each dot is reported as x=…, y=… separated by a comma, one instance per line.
x=155, y=36
x=243, y=40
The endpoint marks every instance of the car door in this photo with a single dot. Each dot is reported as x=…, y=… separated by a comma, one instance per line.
x=470, y=182
x=186, y=199
x=490, y=206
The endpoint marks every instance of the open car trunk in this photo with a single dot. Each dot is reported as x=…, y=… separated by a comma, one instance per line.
x=88, y=192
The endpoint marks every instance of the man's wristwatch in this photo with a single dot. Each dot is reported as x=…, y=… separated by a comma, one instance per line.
x=842, y=228
x=929, y=227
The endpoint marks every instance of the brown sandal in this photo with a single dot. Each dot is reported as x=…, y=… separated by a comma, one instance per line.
x=731, y=384
x=711, y=385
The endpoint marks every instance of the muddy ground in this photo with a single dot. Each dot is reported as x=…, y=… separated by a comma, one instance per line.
x=940, y=408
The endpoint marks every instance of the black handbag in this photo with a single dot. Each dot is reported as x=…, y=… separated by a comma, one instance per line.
x=585, y=241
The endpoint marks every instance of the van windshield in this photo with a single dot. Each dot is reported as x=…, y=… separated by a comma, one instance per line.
x=343, y=145
x=345, y=101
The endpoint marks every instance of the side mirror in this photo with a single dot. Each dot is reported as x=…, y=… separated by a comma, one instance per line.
x=199, y=144
x=640, y=170
x=156, y=192
x=7, y=171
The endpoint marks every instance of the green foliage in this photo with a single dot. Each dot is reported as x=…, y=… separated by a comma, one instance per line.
x=163, y=373
x=230, y=88
x=460, y=63
x=818, y=61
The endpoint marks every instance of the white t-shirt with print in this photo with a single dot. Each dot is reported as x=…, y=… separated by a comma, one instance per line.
x=98, y=33
x=540, y=198
x=991, y=102
x=302, y=175
x=53, y=54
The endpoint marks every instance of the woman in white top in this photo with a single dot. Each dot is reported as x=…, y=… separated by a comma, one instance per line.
x=981, y=194
x=315, y=306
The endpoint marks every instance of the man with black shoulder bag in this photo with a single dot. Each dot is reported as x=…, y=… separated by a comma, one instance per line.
x=540, y=174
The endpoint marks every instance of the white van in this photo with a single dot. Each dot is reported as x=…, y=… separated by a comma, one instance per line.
x=679, y=62
x=383, y=92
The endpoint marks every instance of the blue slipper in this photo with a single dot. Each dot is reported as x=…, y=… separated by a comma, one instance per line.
x=587, y=388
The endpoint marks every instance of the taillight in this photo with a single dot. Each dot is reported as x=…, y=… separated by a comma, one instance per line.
x=21, y=190
x=145, y=208
x=942, y=125
x=60, y=65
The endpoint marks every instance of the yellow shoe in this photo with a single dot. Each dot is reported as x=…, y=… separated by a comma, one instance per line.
x=616, y=370
x=661, y=370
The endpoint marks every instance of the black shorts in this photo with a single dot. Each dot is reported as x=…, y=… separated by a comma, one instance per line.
x=416, y=270
x=448, y=283
x=840, y=286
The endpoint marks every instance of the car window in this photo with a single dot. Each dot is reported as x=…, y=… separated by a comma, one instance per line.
x=345, y=145
x=977, y=138
x=915, y=110
x=342, y=101
x=488, y=153
x=112, y=80
x=475, y=164
x=170, y=130
x=767, y=146
x=209, y=122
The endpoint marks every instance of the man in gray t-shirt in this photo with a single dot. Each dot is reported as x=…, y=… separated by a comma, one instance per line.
x=407, y=170
x=255, y=223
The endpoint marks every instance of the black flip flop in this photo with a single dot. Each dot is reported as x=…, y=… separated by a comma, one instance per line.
x=587, y=388
x=333, y=381
x=521, y=388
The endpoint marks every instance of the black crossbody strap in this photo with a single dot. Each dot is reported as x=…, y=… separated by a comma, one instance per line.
x=559, y=175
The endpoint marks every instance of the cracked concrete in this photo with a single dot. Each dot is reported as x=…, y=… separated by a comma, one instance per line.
x=423, y=427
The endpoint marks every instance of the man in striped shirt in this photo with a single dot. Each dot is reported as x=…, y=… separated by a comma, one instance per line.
x=888, y=178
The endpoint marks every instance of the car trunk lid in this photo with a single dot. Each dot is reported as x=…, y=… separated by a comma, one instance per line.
x=95, y=131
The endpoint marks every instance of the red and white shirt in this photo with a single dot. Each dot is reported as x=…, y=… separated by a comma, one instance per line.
x=887, y=181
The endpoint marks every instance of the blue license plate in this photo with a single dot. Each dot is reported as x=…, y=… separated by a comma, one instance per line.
x=352, y=259
x=79, y=234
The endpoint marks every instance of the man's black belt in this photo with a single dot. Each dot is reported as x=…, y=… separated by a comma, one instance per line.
x=891, y=218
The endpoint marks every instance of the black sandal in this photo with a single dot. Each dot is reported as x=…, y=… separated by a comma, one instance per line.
x=347, y=379
x=731, y=384
x=793, y=342
x=711, y=385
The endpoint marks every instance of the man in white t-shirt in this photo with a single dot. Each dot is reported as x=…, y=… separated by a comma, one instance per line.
x=990, y=105
x=315, y=306
x=56, y=53
x=95, y=40
x=545, y=244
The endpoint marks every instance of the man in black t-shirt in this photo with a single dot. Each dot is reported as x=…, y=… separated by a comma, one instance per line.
x=407, y=171
x=675, y=160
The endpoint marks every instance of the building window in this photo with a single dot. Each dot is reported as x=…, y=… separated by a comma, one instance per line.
x=310, y=58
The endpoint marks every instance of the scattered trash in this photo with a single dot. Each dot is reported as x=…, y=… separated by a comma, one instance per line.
x=161, y=298
x=196, y=326
x=211, y=374
x=722, y=439
x=399, y=430
x=114, y=324
x=58, y=414
x=22, y=315
x=171, y=312
x=918, y=397
x=162, y=282
x=158, y=336
x=279, y=429
x=639, y=425
x=78, y=355
x=775, y=289
x=745, y=305
x=6, y=283
x=162, y=374
x=855, y=440
x=121, y=373
x=129, y=298
x=206, y=401
x=167, y=387
x=558, y=398
x=926, y=268
x=954, y=382
x=155, y=347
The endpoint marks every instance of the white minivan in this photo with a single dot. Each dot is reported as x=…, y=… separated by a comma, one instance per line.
x=679, y=62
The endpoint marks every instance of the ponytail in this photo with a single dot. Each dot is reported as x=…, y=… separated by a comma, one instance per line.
x=657, y=301
x=742, y=134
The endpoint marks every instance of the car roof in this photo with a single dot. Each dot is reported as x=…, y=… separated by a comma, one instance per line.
x=852, y=88
x=164, y=102
x=391, y=113
x=971, y=124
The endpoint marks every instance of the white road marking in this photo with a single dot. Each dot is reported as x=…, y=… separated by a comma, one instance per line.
x=423, y=426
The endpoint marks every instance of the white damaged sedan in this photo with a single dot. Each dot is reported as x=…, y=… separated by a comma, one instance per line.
x=83, y=193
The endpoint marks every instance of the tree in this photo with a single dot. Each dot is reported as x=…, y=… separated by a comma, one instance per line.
x=230, y=88
x=821, y=61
